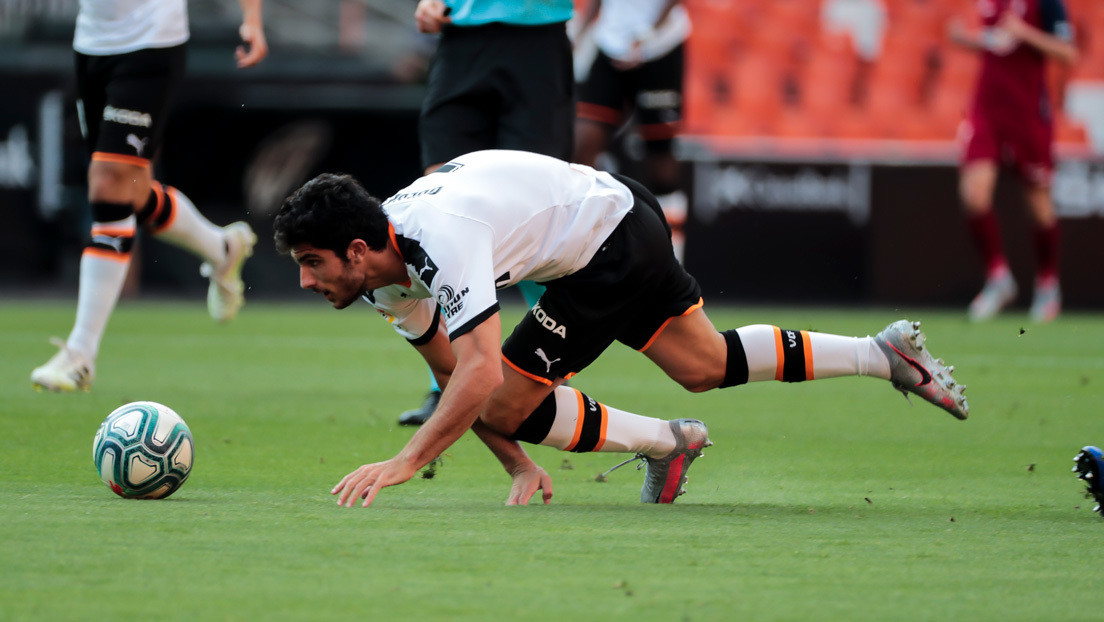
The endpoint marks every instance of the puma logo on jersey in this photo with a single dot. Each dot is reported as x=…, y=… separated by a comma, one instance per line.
x=547, y=322
x=544, y=357
x=127, y=117
x=139, y=144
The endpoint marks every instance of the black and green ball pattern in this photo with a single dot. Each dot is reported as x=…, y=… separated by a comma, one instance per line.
x=143, y=450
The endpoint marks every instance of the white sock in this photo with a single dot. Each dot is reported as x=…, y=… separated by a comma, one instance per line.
x=578, y=416
x=832, y=355
x=101, y=280
x=189, y=229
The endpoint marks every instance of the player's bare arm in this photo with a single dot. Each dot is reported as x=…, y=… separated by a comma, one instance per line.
x=527, y=476
x=251, y=31
x=477, y=374
x=1048, y=44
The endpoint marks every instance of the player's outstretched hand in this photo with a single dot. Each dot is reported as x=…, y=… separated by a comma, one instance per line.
x=366, y=481
x=254, y=47
x=527, y=481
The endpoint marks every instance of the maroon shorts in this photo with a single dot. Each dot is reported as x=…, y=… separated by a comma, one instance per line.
x=1023, y=143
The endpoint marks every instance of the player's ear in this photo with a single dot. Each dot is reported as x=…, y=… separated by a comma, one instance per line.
x=357, y=250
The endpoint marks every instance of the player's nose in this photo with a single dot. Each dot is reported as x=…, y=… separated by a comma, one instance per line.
x=306, y=279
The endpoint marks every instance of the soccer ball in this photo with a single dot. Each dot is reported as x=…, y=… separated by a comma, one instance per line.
x=143, y=450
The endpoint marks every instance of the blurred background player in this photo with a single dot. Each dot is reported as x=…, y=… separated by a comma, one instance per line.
x=501, y=78
x=1010, y=123
x=130, y=56
x=637, y=73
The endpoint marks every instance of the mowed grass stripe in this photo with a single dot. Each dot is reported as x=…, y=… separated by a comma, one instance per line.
x=824, y=500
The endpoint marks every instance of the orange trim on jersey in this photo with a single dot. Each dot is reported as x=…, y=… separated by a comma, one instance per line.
x=685, y=313
x=103, y=253
x=578, y=422
x=808, y=355
x=660, y=131
x=602, y=432
x=170, y=194
x=118, y=158
x=601, y=114
x=115, y=232
x=528, y=375
x=408, y=283
x=779, y=353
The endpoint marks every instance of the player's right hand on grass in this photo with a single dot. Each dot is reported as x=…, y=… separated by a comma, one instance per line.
x=366, y=481
x=528, y=480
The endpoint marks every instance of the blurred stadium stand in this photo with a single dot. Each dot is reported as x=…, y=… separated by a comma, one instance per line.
x=820, y=133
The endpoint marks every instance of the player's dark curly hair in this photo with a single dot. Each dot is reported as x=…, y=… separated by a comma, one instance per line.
x=330, y=211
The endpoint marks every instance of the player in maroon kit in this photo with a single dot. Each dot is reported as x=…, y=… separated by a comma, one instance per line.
x=1010, y=123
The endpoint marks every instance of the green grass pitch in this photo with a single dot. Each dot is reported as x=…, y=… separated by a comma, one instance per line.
x=828, y=500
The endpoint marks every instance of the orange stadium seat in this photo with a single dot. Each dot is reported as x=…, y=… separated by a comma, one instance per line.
x=757, y=87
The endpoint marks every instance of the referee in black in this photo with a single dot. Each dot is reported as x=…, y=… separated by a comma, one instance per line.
x=502, y=78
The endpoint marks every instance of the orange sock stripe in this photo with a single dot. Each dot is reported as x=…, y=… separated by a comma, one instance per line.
x=578, y=422
x=528, y=375
x=779, y=353
x=660, y=131
x=170, y=204
x=110, y=255
x=601, y=114
x=692, y=308
x=808, y=354
x=118, y=158
x=602, y=434
x=159, y=192
x=115, y=232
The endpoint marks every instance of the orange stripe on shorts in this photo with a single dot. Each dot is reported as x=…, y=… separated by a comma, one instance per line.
x=528, y=375
x=119, y=158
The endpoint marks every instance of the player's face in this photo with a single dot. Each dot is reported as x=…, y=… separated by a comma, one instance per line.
x=323, y=272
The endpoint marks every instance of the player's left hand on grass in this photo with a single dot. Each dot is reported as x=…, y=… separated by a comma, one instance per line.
x=366, y=482
x=527, y=481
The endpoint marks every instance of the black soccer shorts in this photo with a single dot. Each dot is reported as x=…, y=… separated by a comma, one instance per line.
x=628, y=292
x=499, y=86
x=123, y=101
x=653, y=91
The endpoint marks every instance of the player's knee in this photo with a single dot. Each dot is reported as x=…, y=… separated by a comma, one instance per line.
x=698, y=381
x=111, y=182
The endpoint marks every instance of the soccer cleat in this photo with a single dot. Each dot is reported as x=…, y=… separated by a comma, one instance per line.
x=664, y=477
x=997, y=294
x=421, y=414
x=226, y=294
x=912, y=368
x=1090, y=469
x=68, y=370
x=1047, y=303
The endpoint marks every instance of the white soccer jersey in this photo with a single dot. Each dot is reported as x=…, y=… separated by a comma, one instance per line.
x=621, y=23
x=487, y=220
x=106, y=27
